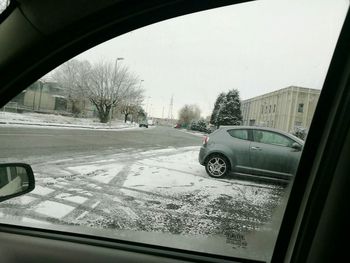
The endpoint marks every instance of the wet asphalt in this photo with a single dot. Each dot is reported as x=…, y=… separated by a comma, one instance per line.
x=28, y=142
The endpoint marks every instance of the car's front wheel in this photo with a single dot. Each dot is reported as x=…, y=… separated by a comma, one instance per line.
x=217, y=166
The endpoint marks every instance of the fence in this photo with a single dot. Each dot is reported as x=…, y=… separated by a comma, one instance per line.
x=17, y=108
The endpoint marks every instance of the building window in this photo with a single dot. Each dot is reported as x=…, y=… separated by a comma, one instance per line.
x=270, y=109
x=274, y=108
x=301, y=107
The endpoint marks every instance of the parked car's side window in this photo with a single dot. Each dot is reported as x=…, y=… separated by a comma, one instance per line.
x=239, y=134
x=271, y=138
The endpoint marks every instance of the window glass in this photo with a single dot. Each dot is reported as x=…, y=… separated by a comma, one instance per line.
x=3, y=5
x=115, y=135
x=239, y=134
x=301, y=107
x=4, y=180
x=271, y=138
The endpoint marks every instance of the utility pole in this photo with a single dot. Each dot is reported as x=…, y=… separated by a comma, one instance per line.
x=41, y=84
x=116, y=74
x=171, y=105
x=147, y=105
x=34, y=94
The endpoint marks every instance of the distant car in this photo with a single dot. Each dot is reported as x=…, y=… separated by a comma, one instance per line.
x=143, y=124
x=150, y=122
x=177, y=126
x=251, y=150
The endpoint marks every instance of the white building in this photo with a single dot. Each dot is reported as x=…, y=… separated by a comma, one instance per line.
x=284, y=109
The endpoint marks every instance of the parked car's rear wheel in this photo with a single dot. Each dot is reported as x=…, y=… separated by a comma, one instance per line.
x=217, y=166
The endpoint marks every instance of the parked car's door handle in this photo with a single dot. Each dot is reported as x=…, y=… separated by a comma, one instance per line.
x=255, y=148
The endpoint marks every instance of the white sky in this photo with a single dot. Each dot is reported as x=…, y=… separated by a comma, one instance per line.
x=255, y=47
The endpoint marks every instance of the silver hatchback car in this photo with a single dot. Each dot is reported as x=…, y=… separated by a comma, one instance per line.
x=251, y=150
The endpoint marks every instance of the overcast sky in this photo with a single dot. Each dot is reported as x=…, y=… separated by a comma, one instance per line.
x=255, y=47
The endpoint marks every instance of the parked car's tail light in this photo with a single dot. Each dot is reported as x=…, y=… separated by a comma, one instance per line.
x=205, y=140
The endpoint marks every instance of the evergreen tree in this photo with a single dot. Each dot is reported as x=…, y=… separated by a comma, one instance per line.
x=230, y=110
x=217, y=104
x=202, y=125
x=194, y=126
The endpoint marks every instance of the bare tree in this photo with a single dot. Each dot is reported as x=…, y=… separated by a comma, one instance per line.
x=131, y=102
x=189, y=113
x=103, y=84
x=108, y=86
x=72, y=76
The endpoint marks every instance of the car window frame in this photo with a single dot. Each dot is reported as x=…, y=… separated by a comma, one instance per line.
x=313, y=180
x=337, y=64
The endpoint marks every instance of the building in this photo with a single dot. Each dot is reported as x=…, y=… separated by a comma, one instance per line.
x=285, y=109
x=49, y=97
x=164, y=121
x=40, y=97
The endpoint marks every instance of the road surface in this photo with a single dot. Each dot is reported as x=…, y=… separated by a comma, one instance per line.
x=145, y=180
x=24, y=142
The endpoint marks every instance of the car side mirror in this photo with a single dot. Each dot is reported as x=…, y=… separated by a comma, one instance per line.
x=15, y=179
x=297, y=146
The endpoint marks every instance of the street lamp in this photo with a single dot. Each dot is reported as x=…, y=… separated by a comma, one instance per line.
x=115, y=74
x=116, y=64
x=147, y=104
x=141, y=83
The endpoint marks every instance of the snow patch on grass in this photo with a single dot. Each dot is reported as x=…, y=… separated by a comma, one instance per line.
x=159, y=151
x=40, y=120
x=34, y=221
x=53, y=209
x=181, y=173
x=186, y=161
x=72, y=198
x=101, y=173
x=24, y=200
x=41, y=190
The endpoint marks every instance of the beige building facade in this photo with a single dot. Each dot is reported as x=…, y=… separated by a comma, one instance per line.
x=41, y=97
x=285, y=109
x=48, y=97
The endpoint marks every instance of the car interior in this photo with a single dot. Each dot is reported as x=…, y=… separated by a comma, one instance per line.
x=37, y=36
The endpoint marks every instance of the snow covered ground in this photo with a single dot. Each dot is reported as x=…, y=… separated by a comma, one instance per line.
x=160, y=190
x=58, y=121
x=196, y=133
